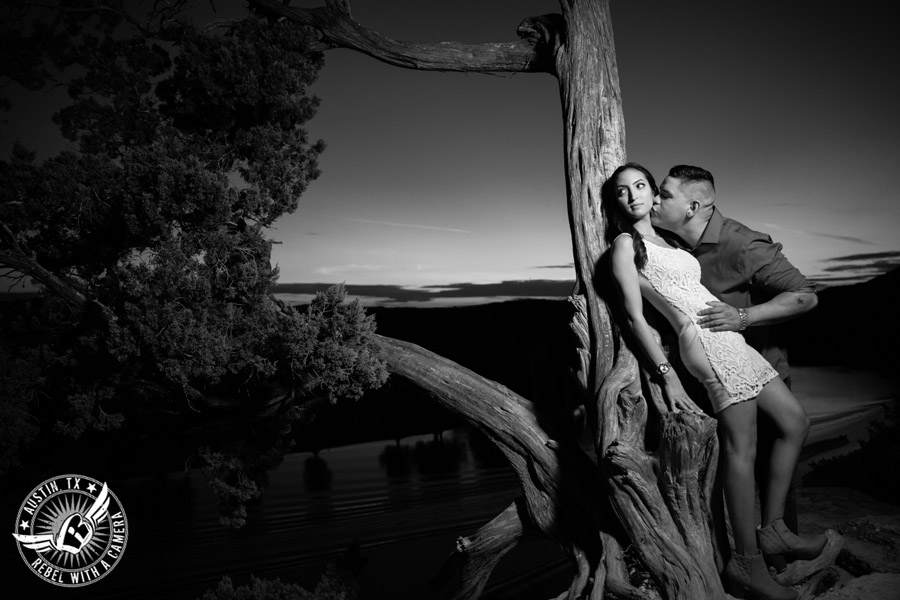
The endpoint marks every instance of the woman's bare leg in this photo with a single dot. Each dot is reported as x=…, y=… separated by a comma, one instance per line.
x=737, y=437
x=790, y=426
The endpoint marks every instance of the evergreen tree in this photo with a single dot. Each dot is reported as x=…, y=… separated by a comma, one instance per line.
x=149, y=242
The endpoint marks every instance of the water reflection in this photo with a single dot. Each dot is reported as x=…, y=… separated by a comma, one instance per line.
x=439, y=456
x=405, y=503
x=396, y=459
x=436, y=456
x=316, y=474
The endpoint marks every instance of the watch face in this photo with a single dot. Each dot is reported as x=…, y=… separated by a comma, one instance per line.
x=663, y=369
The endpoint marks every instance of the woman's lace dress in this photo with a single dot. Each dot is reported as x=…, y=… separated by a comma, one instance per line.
x=738, y=371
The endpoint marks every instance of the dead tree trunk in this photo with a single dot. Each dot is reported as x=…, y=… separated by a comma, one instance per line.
x=660, y=493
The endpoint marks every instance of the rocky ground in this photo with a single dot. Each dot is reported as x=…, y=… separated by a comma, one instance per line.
x=868, y=565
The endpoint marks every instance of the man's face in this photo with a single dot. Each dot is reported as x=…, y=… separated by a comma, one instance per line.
x=671, y=211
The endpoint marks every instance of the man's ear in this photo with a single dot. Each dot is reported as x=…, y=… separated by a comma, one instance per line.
x=693, y=207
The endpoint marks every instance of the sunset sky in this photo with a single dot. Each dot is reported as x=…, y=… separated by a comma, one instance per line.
x=434, y=180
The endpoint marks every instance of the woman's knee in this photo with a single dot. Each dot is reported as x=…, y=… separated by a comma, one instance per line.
x=737, y=430
x=780, y=405
x=798, y=425
x=739, y=453
x=792, y=420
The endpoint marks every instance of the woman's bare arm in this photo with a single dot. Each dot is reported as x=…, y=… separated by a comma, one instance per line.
x=626, y=275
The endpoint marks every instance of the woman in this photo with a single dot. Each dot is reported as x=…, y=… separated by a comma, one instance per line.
x=739, y=381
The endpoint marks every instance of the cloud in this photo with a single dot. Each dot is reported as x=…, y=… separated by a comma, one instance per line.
x=870, y=268
x=410, y=225
x=855, y=268
x=785, y=229
x=874, y=256
x=845, y=238
x=524, y=288
x=349, y=268
x=831, y=236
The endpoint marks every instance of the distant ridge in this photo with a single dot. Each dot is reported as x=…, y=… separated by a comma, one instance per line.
x=525, y=345
x=854, y=325
x=528, y=346
x=438, y=295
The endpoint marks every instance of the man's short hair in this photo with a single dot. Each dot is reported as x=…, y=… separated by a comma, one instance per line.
x=692, y=174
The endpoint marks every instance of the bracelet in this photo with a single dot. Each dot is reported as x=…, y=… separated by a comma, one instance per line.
x=745, y=322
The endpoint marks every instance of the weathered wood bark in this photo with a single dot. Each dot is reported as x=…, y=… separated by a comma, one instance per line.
x=667, y=515
x=336, y=29
x=476, y=556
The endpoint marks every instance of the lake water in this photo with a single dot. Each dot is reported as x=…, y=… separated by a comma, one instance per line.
x=405, y=503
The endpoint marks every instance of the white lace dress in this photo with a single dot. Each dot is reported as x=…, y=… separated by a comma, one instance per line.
x=730, y=370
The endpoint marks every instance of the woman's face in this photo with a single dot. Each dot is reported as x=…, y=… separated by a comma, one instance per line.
x=634, y=194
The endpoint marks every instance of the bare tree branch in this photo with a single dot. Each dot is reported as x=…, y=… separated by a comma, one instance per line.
x=12, y=256
x=337, y=29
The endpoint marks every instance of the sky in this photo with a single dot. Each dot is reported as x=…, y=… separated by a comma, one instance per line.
x=451, y=186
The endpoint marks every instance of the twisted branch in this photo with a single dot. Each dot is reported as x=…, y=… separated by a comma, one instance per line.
x=336, y=29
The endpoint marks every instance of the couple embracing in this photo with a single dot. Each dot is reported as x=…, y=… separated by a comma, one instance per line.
x=716, y=281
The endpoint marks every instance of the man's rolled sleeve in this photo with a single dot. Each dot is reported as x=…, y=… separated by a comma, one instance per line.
x=770, y=272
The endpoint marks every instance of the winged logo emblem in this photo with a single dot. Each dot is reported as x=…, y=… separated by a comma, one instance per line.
x=75, y=532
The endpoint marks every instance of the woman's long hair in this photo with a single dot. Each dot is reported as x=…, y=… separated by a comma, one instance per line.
x=616, y=222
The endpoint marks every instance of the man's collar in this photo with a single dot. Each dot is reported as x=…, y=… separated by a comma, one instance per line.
x=713, y=228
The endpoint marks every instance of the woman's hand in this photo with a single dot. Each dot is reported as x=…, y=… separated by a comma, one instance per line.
x=677, y=399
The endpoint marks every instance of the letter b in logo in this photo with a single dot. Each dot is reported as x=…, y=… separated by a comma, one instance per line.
x=74, y=534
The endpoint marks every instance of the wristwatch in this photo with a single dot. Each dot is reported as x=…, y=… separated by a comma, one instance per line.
x=663, y=368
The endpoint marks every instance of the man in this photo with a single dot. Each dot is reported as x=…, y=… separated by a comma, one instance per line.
x=743, y=268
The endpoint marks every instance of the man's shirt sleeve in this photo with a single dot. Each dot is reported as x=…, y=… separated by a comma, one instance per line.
x=770, y=272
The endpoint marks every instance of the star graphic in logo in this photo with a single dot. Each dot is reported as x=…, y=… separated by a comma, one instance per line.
x=24, y=524
x=92, y=488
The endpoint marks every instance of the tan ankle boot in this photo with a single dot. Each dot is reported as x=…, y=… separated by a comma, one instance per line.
x=748, y=577
x=780, y=545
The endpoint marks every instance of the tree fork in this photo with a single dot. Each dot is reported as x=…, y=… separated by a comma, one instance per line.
x=562, y=492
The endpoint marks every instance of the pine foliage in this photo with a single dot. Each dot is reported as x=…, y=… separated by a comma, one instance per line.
x=149, y=240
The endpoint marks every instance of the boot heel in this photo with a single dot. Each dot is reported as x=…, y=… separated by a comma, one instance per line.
x=780, y=545
x=776, y=561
